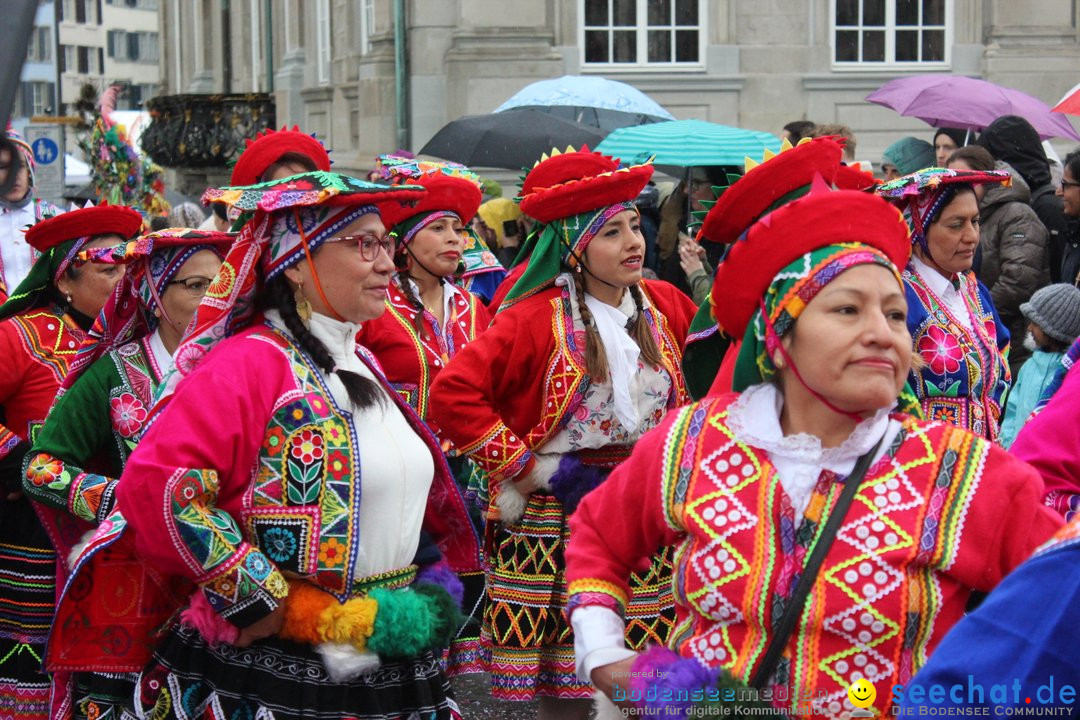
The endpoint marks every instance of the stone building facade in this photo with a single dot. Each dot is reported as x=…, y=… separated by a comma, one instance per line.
x=752, y=63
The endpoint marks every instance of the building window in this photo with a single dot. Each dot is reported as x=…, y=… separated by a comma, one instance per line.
x=366, y=20
x=132, y=47
x=642, y=32
x=322, y=42
x=891, y=32
x=37, y=98
x=40, y=47
x=67, y=58
x=83, y=67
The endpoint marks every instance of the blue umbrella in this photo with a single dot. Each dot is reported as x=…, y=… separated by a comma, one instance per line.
x=591, y=100
x=688, y=143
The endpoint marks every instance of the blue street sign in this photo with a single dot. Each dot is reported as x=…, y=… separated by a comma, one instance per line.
x=45, y=150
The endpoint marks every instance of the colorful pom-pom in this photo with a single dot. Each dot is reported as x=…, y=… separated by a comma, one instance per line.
x=404, y=625
x=303, y=608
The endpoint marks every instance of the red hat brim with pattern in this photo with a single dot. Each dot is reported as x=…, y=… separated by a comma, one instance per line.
x=766, y=185
x=91, y=221
x=801, y=226
x=458, y=195
x=576, y=182
x=268, y=147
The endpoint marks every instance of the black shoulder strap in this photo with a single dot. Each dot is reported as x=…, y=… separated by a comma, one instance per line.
x=794, y=608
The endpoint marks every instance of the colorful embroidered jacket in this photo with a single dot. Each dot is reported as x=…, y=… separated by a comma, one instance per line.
x=256, y=481
x=942, y=512
x=514, y=388
x=36, y=347
x=100, y=417
x=412, y=359
x=966, y=374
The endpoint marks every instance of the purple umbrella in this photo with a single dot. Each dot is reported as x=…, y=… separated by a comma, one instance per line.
x=967, y=103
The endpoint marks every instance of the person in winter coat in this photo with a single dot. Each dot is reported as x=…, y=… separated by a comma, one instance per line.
x=1070, y=196
x=1015, y=261
x=1012, y=139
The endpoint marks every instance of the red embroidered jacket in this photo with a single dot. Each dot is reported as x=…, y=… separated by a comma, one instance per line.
x=514, y=388
x=411, y=359
x=36, y=346
x=941, y=513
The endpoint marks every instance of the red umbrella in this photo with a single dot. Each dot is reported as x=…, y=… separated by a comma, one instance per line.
x=1070, y=102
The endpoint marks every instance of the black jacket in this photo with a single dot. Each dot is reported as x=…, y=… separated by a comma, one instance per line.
x=1012, y=139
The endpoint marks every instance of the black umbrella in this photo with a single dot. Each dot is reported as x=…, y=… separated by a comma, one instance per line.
x=513, y=139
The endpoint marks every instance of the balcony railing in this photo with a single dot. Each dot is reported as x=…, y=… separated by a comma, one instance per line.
x=204, y=131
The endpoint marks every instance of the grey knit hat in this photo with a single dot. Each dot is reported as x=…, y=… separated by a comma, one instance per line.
x=1055, y=309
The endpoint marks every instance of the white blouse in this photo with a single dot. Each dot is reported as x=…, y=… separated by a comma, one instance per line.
x=946, y=292
x=396, y=467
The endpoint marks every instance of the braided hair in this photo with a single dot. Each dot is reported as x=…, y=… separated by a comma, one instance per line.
x=363, y=392
x=404, y=280
x=595, y=354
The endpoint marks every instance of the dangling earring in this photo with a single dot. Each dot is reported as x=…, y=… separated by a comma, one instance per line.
x=69, y=298
x=778, y=360
x=303, y=305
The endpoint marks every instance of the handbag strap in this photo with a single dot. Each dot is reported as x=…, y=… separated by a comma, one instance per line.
x=794, y=609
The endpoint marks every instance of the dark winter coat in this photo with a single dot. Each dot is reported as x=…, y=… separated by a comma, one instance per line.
x=1012, y=139
x=1014, y=257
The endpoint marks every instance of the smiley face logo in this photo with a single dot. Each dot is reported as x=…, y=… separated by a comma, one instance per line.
x=862, y=693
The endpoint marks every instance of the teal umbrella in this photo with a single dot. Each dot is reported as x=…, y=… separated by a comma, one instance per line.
x=688, y=143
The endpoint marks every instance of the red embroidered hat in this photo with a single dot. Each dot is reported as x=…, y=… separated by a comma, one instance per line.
x=447, y=192
x=268, y=146
x=84, y=222
x=768, y=184
x=815, y=221
x=576, y=181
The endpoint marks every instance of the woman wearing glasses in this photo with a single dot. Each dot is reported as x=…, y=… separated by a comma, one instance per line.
x=1070, y=196
x=107, y=395
x=428, y=320
x=280, y=492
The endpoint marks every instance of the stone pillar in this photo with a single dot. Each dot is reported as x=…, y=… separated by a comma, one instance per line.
x=289, y=78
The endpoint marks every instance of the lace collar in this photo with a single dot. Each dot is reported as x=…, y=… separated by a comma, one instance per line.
x=755, y=419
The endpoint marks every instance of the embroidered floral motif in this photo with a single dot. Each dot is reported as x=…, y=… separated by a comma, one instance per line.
x=128, y=414
x=337, y=465
x=318, y=406
x=274, y=441
x=44, y=470
x=307, y=447
x=298, y=412
x=940, y=350
x=279, y=544
x=331, y=553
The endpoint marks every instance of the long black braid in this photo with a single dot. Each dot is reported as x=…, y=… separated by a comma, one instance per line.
x=363, y=393
x=404, y=280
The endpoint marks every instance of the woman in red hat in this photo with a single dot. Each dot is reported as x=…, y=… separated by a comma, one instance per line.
x=276, y=154
x=429, y=319
x=281, y=497
x=42, y=325
x=821, y=538
x=107, y=395
x=581, y=360
x=964, y=346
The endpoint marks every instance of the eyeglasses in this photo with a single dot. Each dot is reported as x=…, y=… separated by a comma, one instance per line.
x=196, y=285
x=1069, y=184
x=369, y=244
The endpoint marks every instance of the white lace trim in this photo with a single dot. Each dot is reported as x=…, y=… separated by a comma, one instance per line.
x=755, y=419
